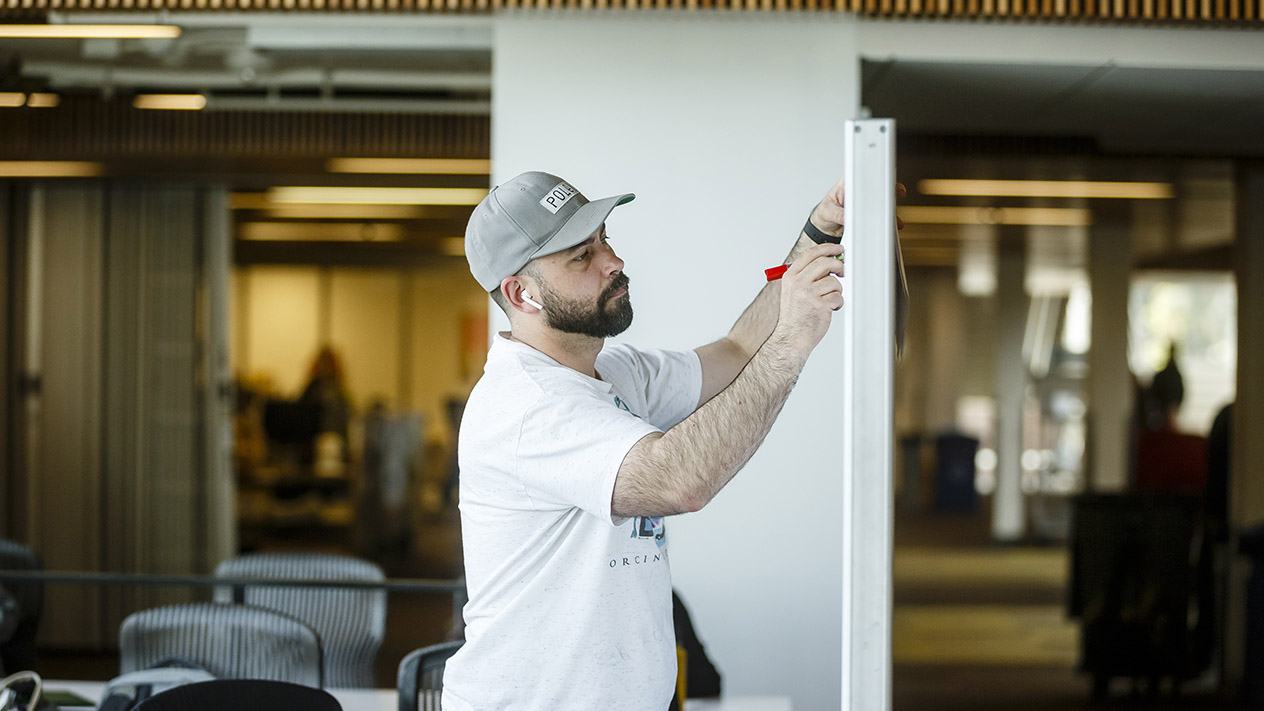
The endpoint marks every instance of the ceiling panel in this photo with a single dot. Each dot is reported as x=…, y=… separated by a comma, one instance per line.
x=1131, y=109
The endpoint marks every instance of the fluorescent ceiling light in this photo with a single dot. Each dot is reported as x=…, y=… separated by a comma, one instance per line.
x=1050, y=216
x=344, y=212
x=1047, y=188
x=170, y=102
x=89, y=31
x=41, y=100
x=14, y=99
x=451, y=166
x=49, y=169
x=319, y=232
x=377, y=196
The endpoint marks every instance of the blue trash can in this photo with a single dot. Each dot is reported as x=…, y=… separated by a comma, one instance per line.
x=954, y=473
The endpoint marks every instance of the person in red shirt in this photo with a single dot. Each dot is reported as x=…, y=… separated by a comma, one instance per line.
x=1169, y=460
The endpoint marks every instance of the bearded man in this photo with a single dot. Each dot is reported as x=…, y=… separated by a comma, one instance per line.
x=572, y=451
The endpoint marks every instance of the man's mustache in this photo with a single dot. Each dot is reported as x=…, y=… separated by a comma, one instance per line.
x=619, y=282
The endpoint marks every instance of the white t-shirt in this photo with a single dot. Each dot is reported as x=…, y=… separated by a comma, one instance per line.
x=570, y=607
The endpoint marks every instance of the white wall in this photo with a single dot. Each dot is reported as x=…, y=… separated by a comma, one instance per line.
x=728, y=129
x=277, y=324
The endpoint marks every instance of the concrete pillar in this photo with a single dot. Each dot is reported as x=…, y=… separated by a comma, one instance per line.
x=943, y=304
x=1110, y=389
x=1008, y=508
x=1246, y=476
x=8, y=393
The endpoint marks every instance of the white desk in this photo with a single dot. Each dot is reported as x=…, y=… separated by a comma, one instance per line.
x=386, y=700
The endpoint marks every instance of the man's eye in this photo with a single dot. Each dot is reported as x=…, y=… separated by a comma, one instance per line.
x=581, y=257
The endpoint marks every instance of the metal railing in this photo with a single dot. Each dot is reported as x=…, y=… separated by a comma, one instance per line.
x=416, y=585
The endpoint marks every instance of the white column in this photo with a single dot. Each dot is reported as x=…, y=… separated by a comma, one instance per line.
x=9, y=388
x=944, y=308
x=1110, y=390
x=1008, y=508
x=868, y=365
x=1246, y=476
x=217, y=398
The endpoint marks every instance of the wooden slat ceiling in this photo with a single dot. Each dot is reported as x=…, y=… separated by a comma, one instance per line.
x=1221, y=12
x=87, y=128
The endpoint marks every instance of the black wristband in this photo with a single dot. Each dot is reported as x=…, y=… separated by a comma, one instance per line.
x=818, y=236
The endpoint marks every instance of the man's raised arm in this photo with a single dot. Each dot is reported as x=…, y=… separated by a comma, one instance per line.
x=683, y=468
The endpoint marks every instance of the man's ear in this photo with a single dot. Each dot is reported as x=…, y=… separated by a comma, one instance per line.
x=516, y=292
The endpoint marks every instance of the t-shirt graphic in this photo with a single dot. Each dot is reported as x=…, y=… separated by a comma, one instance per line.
x=650, y=527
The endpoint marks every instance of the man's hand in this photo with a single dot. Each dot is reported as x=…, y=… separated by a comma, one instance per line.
x=810, y=293
x=828, y=213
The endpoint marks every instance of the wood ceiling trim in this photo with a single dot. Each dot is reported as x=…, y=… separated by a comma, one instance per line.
x=1235, y=13
x=89, y=128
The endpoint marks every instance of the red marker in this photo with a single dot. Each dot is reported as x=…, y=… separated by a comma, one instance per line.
x=775, y=273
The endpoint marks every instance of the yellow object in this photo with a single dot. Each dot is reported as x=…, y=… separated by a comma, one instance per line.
x=682, y=664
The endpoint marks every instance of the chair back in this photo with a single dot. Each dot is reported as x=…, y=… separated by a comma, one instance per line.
x=421, y=676
x=240, y=694
x=18, y=652
x=351, y=622
x=229, y=641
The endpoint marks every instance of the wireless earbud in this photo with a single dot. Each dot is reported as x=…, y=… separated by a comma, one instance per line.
x=527, y=298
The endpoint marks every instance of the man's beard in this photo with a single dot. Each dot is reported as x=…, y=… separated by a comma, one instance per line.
x=599, y=320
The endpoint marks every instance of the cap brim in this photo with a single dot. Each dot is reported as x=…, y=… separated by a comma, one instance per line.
x=582, y=224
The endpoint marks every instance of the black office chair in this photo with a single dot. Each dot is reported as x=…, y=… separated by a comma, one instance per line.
x=17, y=653
x=230, y=641
x=224, y=694
x=9, y=614
x=421, y=676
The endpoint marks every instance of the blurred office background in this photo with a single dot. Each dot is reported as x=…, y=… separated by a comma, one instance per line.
x=239, y=318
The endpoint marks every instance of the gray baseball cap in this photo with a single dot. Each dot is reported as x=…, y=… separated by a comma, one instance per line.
x=533, y=215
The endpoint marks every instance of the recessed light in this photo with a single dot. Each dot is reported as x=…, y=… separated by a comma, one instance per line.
x=42, y=100
x=170, y=102
x=1049, y=216
x=377, y=196
x=49, y=169
x=419, y=166
x=320, y=232
x=1047, y=188
x=71, y=31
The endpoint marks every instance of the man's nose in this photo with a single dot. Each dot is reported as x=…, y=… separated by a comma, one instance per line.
x=611, y=263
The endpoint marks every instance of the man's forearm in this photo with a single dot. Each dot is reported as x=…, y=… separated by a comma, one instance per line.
x=684, y=468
